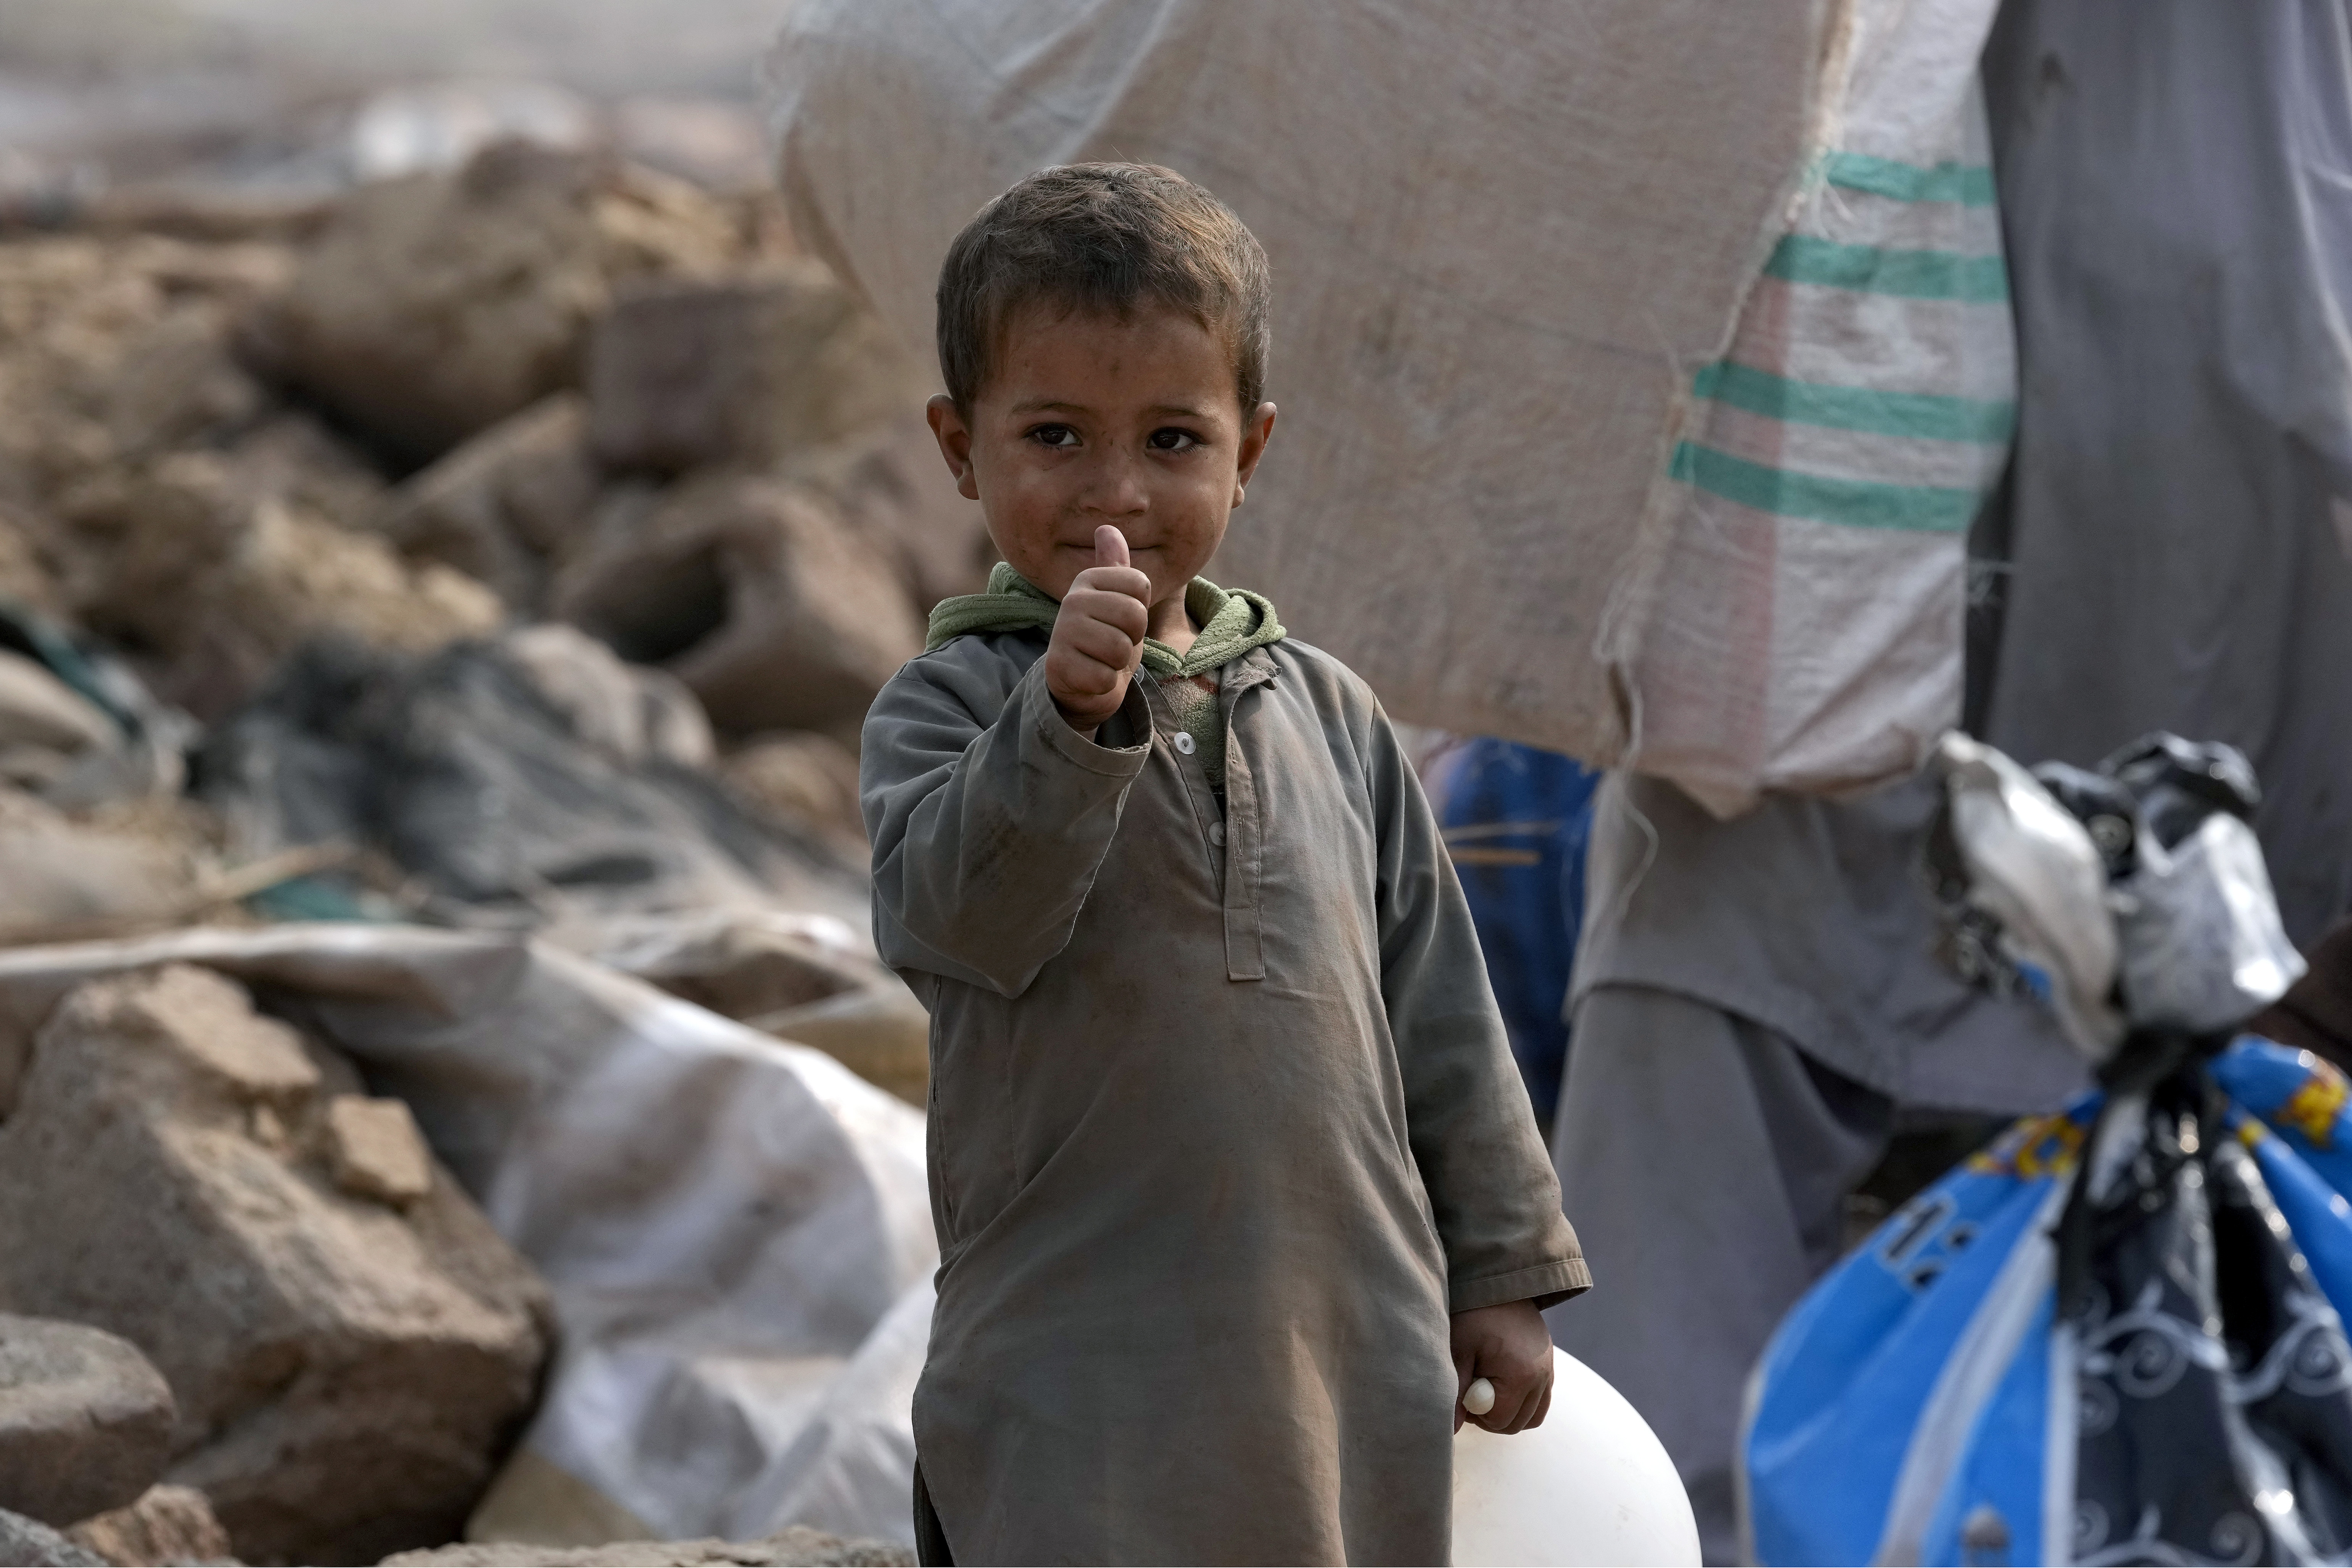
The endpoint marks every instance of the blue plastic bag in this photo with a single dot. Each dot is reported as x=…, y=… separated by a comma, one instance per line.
x=1927, y=1402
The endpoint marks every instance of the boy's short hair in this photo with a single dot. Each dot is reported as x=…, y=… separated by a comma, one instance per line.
x=1106, y=237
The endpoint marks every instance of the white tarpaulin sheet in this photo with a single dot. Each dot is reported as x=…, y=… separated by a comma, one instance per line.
x=725, y=1221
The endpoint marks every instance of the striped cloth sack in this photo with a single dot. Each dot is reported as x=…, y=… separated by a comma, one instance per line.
x=1803, y=625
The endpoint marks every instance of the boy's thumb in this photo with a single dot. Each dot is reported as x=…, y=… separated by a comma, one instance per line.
x=1110, y=547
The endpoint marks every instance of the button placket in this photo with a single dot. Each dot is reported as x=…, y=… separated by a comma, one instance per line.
x=1191, y=781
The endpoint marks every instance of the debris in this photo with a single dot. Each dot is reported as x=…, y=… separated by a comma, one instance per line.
x=758, y=595
x=210, y=895
x=375, y=1151
x=796, y=1545
x=211, y=589
x=167, y=1525
x=85, y=1421
x=799, y=778
x=880, y=1032
x=461, y=771
x=743, y=372
x=346, y=1374
x=435, y=305
x=896, y=492
x=743, y=966
x=43, y=722
x=63, y=874
x=506, y=504
x=633, y=1141
x=632, y=713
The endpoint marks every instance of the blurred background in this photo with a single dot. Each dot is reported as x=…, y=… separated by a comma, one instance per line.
x=278, y=98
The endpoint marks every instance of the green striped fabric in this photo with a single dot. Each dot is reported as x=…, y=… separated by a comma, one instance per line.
x=1908, y=274
x=1969, y=184
x=1854, y=502
x=1918, y=415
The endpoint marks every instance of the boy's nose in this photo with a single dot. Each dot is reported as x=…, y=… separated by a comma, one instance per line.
x=1115, y=486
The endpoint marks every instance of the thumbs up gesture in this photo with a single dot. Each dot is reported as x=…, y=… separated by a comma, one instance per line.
x=1098, y=636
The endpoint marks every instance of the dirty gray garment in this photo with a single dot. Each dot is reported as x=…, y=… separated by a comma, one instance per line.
x=2176, y=189
x=1742, y=1218
x=1223, y=1122
x=1808, y=916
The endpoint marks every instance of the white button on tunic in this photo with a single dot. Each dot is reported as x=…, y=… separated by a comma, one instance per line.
x=1183, y=742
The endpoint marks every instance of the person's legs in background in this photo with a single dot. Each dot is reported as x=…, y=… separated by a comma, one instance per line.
x=1707, y=1162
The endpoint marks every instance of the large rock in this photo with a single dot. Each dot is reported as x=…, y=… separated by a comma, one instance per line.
x=743, y=372
x=84, y=1420
x=506, y=504
x=349, y=1362
x=117, y=349
x=214, y=585
x=435, y=305
x=759, y=596
x=167, y=1525
x=893, y=489
x=801, y=777
x=632, y=713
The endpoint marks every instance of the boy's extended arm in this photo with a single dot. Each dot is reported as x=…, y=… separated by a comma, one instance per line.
x=986, y=836
x=1489, y=1177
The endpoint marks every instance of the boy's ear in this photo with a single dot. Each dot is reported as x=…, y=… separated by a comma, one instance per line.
x=954, y=437
x=1255, y=433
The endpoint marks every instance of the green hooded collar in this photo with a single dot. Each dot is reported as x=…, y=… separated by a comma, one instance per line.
x=1231, y=624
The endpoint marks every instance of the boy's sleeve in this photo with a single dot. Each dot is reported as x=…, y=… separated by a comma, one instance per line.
x=986, y=836
x=1473, y=1132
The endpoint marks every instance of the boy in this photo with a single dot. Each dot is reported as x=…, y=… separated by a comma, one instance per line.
x=1237, y=1188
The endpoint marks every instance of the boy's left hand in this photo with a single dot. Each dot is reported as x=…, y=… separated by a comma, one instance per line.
x=1510, y=1347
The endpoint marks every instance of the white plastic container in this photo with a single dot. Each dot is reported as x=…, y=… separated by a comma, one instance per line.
x=1592, y=1485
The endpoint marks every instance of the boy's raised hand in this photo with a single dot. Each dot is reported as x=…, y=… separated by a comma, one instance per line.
x=1510, y=1347
x=1098, y=635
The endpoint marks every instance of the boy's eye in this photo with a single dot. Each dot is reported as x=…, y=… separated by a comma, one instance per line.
x=1059, y=437
x=1169, y=438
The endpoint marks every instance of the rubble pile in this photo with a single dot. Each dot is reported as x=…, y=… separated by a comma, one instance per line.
x=353, y=479
x=347, y=1341
x=513, y=547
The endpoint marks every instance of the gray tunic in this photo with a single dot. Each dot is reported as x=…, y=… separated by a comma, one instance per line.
x=1222, y=1119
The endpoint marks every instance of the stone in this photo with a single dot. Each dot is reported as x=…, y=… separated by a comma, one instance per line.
x=119, y=348
x=631, y=713
x=167, y=1525
x=85, y=1421
x=740, y=965
x=435, y=305
x=794, y=1545
x=375, y=1151
x=758, y=595
x=214, y=586
x=803, y=778
x=743, y=372
x=29, y=1544
x=894, y=490
x=504, y=506
x=347, y=1373
x=880, y=1032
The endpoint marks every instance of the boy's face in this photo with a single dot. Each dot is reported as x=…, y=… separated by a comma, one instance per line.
x=1090, y=420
